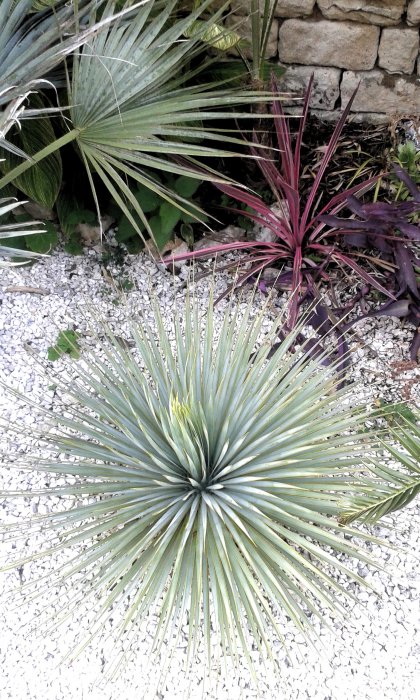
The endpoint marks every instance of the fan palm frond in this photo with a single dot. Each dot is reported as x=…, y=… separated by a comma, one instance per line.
x=205, y=474
x=392, y=489
x=136, y=105
x=31, y=45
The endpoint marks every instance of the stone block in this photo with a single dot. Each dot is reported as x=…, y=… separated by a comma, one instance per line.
x=338, y=44
x=294, y=8
x=381, y=92
x=326, y=86
x=413, y=12
x=381, y=12
x=398, y=49
x=242, y=25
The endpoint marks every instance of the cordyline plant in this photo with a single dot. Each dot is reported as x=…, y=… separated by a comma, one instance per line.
x=310, y=237
x=207, y=477
x=303, y=239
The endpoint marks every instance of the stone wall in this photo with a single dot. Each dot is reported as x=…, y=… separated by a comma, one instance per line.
x=344, y=43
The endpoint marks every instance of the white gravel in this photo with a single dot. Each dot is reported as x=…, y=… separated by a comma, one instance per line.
x=374, y=654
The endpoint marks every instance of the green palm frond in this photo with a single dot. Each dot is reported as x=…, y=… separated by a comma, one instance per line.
x=136, y=105
x=32, y=45
x=392, y=489
x=12, y=230
x=204, y=481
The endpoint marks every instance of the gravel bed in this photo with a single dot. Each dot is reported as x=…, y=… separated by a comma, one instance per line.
x=373, y=654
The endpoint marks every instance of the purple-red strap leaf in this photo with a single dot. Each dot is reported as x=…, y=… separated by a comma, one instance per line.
x=408, y=182
x=410, y=230
x=407, y=276
x=332, y=145
x=415, y=346
x=211, y=250
x=399, y=309
x=339, y=202
x=361, y=272
x=299, y=137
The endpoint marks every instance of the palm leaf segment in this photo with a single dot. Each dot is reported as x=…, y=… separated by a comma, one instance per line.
x=11, y=230
x=217, y=475
x=392, y=489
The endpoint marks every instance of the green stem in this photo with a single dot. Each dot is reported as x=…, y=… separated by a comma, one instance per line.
x=55, y=146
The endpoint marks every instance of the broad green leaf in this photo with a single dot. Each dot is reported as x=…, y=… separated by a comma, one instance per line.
x=42, y=182
x=147, y=199
x=70, y=213
x=159, y=236
x=14, y=233
x=169, y=218
x=215, y=35
x=186, y=186
x=126, y=229
x=187, y=234
x=17, y=242
x=43, y=242
x=67, y=344
x=73, y=244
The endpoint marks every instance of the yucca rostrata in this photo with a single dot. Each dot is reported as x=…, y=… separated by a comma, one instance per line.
x=206, y=476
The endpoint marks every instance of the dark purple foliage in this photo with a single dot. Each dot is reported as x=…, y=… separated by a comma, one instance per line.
x=387, y=226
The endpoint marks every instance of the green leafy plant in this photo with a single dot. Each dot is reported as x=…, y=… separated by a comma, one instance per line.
x=15, y=236
x=207, y=474
x=163, y=216
x=44, y=241
x=35, y=39
x=41, y=183
x=408, y=157
x=67, y=344
x=33, y=45
x=393, y=488
x=136, y=106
